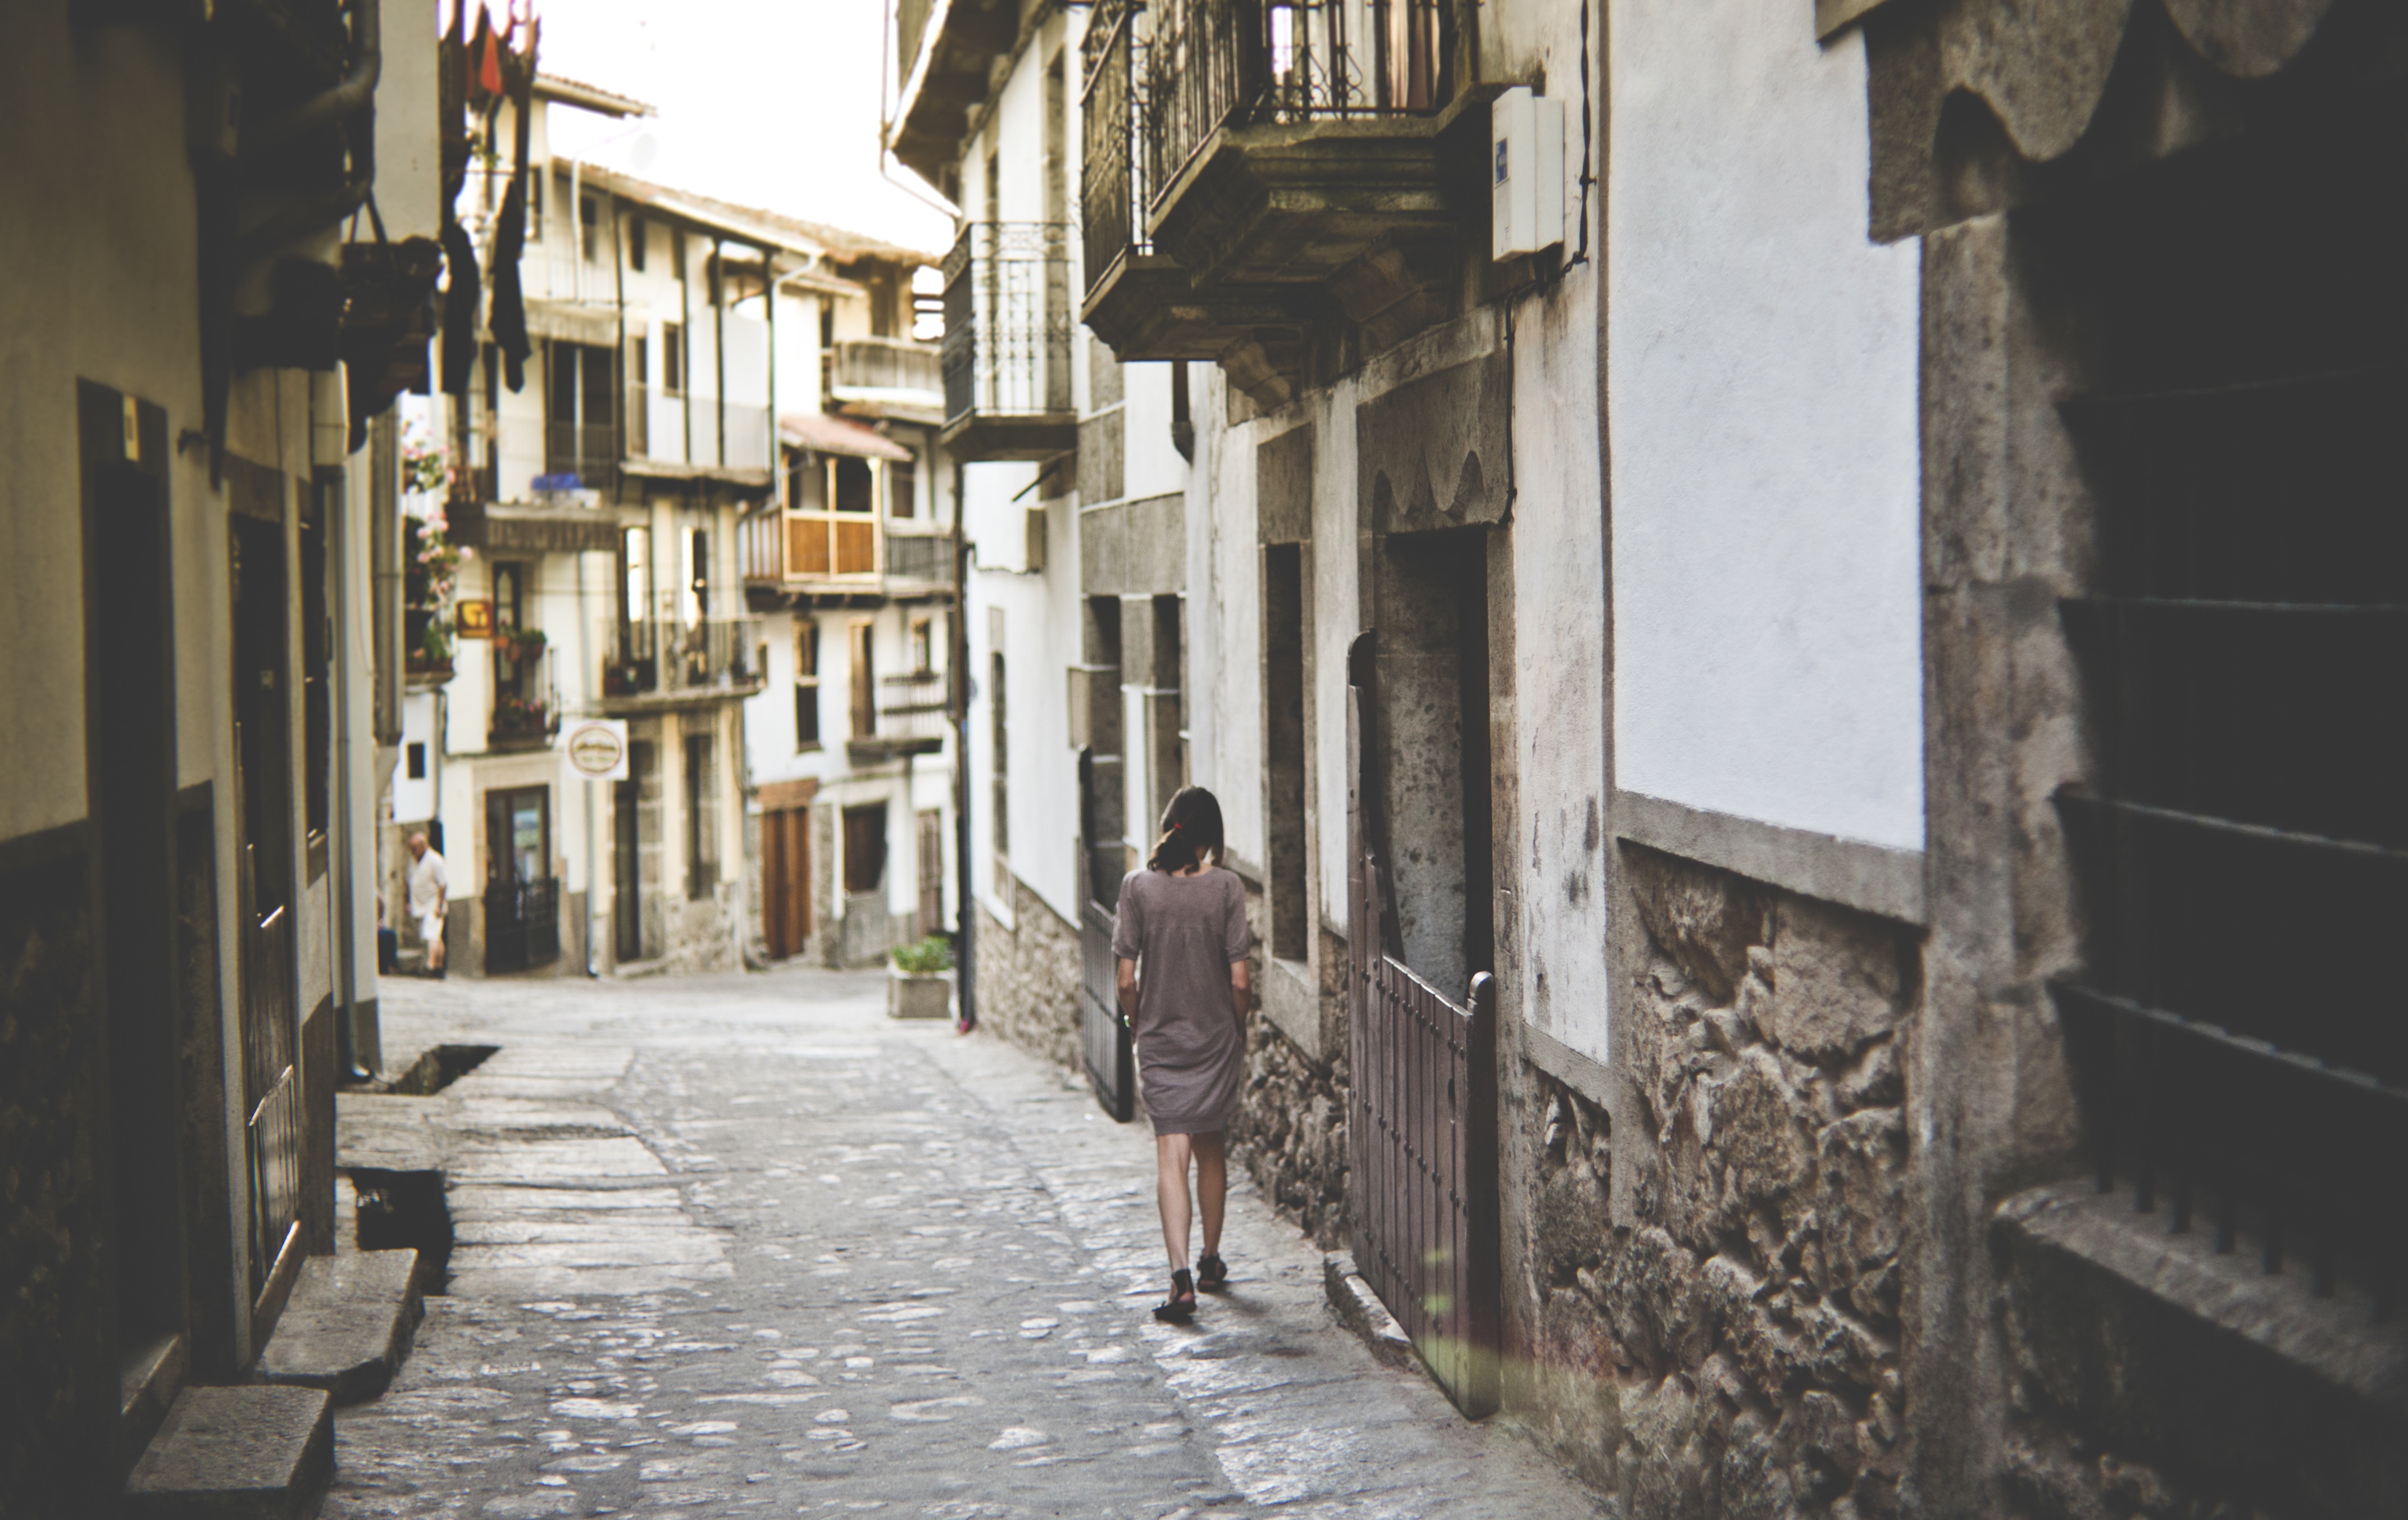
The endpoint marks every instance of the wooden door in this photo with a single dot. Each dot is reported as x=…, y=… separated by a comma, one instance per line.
x=932, y=872
x=786, y=881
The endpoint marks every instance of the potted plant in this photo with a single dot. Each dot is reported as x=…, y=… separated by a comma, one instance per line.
x=920, y=980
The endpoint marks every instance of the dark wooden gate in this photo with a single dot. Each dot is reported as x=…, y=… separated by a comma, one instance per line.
x=1104, y=1041
x=1422, y=1118
x=271, y=1082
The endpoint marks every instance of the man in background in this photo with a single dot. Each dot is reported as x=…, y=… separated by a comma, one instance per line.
x=430, y=891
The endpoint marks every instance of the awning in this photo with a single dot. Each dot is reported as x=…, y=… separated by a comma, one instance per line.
x=825, y=433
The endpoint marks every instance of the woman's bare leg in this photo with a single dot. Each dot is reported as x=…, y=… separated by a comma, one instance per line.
x=1212, y=1188
x=1170, y=1154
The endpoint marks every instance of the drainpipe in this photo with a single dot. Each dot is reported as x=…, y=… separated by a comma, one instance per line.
x=965, y=941
x=719, y=339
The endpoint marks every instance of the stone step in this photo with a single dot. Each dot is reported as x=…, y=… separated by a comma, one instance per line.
x=348, y=1324
x=250, y=1453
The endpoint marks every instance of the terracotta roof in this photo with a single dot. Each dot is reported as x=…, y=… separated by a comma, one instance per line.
x=830, y=434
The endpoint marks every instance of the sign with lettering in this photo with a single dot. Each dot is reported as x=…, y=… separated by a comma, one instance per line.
x=597, y=748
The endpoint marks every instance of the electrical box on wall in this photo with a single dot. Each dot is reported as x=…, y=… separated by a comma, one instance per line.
x=1525, y=185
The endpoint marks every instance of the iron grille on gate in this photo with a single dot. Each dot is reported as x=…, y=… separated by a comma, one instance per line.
x=1421, y=1123
x=1113, y=196
x=2245, y=857
x=522, y=922
x=1007, y=347
x=1240, y=63
x=271, y=1082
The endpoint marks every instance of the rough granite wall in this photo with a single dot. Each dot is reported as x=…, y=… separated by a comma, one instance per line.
x=56, y=1403
x=1289, y=1132
x=1733, y=1352
x=1028, y=983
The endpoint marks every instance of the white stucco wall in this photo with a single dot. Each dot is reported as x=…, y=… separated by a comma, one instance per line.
x=1761, y=396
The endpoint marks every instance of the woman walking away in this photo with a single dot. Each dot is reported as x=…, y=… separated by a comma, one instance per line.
x=1183, y=923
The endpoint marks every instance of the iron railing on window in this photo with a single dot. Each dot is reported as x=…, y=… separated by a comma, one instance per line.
x=1112, y=196
x=912, y=708
x=1007, y=319
x=1240, y=63
x=588, y=451
x=919, y=556
x=2244, y=855
x=714, y=653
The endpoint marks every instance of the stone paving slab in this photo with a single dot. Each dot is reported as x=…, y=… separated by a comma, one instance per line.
x=935, y=1259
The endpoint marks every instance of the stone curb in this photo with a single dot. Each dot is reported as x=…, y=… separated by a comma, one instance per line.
x=1360, y=1310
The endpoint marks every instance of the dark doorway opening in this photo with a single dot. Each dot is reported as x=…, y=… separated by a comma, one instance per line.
x=131, y=731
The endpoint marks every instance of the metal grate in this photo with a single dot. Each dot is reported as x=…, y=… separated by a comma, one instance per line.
x=1106, y=1048
x=2245, y=857
x=271, y=1080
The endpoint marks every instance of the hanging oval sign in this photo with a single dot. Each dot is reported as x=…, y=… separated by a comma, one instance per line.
x=597, y=748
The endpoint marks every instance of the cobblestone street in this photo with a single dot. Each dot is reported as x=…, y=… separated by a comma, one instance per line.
x=742, y=1243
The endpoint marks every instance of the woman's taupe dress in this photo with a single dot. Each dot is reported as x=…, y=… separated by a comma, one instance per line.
x=1185, y=932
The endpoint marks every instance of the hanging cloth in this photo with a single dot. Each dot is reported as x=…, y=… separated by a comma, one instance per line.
x=461, y=301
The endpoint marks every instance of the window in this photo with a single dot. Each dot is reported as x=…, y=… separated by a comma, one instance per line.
x=589, y=223
x=416, y=754
x=865, y=848
x=697, y=576
x=923, y=646
x=581, y=404
x=636, y=583
x=842, y=541
x=902, y=490
x=1167, y=750
x=676, y=252
x=1284, y=646
x=865, y=680
x=807, y=685
x=854, y=488
x=999, y=762
x=643, y=363
x=701, y=821
x=672, y=358
x=635, y=244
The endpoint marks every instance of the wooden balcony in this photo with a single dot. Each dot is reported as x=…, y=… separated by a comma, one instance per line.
x=1257, y=169
x=783, y=554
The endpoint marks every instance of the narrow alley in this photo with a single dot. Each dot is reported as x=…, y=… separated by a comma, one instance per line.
x=742, y=1242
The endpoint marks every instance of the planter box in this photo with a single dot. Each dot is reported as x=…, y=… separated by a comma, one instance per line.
x=919, y=995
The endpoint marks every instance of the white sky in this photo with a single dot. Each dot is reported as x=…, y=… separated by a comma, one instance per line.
x=769, y=103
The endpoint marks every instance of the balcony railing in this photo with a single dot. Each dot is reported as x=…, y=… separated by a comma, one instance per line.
x=526, y=698
x=911, y=717
x=1113, y=196
x=1240, y=63
x=1008, y=324
x=886, y=366
x=919, y=556
x=666, y=659
x=588, y=451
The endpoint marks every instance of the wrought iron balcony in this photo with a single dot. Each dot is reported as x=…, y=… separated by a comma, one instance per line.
x=1247, y=161
x=653, y=663
x=1008, y=316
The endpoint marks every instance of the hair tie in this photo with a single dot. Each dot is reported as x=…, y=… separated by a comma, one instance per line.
x=1174, y=828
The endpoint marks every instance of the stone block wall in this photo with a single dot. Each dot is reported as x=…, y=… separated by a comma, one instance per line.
x=1731, y=1347
x=1289, y=1131
x=1027, y=980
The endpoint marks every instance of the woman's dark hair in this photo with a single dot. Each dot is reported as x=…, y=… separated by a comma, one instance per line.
x=1191, y=831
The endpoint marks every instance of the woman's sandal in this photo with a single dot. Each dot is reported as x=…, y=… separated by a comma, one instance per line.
x=1211, y=1273
x=1180, y=1306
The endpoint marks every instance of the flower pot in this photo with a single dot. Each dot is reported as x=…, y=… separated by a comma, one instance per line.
x=919, y=995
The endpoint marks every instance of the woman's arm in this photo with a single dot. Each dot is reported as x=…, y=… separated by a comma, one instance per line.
x=1241, y=990
x=1127, y=983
